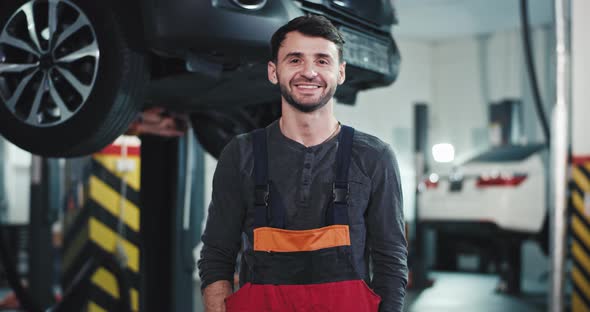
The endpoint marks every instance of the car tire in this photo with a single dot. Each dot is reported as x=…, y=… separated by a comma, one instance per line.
x=96, y=106
x=215, y=128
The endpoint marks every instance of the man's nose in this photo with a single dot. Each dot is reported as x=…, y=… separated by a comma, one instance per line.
x=309, y=71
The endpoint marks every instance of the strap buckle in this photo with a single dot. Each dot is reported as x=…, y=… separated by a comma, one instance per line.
x=261, y=194
x=340, y=192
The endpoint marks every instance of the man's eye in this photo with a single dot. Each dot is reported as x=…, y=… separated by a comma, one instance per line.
x=323, y=62
x=294, y=61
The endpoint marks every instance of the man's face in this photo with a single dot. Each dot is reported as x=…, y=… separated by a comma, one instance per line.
x=307, y=70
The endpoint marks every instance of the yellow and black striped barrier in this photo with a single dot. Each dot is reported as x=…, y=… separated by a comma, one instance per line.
x=580, y=231
x=108, y=223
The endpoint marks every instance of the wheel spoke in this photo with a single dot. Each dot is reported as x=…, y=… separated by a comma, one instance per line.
x=65, y=112
x=83, y=89
x=33, y=117
x=79, y=23
x=5, y=38
x=28, y=10
x=52, y=20
x=15, y=68
x=89, y=50
x=11, y=103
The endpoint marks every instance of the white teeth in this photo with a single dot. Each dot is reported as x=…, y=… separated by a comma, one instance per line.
x=309, y=87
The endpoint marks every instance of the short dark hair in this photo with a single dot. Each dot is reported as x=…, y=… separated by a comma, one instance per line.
x=309, y=25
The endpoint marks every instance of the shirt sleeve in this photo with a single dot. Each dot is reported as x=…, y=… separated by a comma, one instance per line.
x=386, y=235
x=222, y=235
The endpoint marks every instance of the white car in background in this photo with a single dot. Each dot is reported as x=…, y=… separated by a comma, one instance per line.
x=490, y=203
x=504, y=186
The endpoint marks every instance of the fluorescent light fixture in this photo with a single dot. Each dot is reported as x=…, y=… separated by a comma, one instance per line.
x=443, y=152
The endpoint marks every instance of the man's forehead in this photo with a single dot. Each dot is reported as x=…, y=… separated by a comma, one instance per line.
x=300, y=43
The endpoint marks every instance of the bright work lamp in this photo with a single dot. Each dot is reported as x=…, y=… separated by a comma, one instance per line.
x=443, y=152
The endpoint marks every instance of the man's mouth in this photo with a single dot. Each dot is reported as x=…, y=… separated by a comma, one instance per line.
x=307, y=87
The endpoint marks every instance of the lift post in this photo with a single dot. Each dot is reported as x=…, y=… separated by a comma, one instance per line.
x=559, y=160
x=44, y=207
x=418, y=266
x=171, y=195
x=573, y=65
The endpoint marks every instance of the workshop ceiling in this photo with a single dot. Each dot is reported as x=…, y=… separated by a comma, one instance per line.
x=443, y=19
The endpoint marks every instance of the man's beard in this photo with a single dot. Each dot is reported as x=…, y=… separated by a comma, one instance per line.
x=309, y=107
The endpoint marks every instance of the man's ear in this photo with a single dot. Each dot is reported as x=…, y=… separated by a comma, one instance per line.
x=341, y=73
x=272, y=72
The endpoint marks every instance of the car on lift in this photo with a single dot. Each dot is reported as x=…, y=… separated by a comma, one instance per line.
x=75, y=73
x=493, y=201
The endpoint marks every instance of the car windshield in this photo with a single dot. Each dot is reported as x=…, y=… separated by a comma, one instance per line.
x=508, y=153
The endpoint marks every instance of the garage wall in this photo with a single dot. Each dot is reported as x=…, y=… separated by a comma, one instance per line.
x=471, y=72
x=17, y=183
x=3, y=194
x=580, y=64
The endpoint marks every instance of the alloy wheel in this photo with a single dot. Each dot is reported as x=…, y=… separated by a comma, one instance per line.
x=49, y=59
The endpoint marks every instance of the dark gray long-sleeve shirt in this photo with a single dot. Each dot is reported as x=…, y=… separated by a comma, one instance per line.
x=303, y=177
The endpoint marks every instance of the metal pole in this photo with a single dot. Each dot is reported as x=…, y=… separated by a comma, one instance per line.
x=419, y=274
x=42, y=215
x=159, y=158
x=184, y=237
x=559, y=160
x=168, y=221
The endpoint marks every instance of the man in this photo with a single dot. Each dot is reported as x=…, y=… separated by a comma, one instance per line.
x=310, y=202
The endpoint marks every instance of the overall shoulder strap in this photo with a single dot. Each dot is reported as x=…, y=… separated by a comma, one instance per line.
x=337, y=213
x=344, y=153
x=261, y=188
x=270, y=210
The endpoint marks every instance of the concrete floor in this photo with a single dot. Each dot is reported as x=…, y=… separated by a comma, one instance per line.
x=475, y=292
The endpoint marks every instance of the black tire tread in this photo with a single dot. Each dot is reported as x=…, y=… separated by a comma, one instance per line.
x=123, y=114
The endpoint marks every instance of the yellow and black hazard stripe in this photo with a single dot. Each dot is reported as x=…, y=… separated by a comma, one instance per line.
x=580, y=231
x=95, y=231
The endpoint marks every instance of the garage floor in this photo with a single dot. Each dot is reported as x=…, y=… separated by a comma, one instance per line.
x=475, y=292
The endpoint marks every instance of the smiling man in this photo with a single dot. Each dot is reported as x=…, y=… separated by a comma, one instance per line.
x=307, y=80
x=309, y=201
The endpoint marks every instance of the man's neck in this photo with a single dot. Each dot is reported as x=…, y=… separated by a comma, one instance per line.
x=308, y=129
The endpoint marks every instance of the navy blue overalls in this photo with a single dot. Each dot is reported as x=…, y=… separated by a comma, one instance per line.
x=302, y=270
